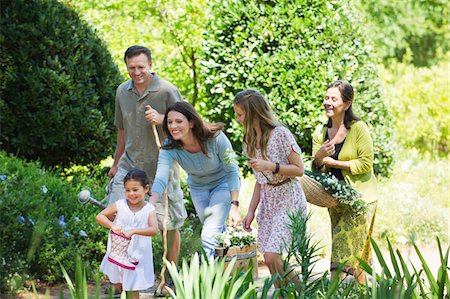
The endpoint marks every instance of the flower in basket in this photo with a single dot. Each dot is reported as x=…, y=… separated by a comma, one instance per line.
x=343, y=192
x=234, y=236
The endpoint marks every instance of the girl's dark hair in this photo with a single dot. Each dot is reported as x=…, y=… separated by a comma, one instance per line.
x=347, y=95
x=137, y=175
x=201, y=130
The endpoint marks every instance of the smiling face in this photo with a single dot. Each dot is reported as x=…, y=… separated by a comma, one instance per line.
x=333, y=103
x=178, y=125
x=139, y=68
x=135, y=192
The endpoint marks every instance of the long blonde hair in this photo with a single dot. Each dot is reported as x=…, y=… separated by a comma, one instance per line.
x=256, y=108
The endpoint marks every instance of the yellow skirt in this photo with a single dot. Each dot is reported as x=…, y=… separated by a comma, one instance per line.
x=350, y=236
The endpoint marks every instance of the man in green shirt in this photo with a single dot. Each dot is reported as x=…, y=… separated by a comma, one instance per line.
x=140, y=103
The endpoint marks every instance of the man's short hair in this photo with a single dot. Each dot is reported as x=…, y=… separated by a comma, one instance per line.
x=137, y=50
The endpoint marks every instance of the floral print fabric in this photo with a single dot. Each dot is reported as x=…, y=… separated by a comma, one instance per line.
x=277, y=201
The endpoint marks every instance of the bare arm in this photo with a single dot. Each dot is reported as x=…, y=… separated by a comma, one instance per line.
x=120, y=149
x=294, y=168
x=252, y=207
x=103, y=218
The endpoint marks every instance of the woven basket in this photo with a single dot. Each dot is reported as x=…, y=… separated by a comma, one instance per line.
x=316, y=194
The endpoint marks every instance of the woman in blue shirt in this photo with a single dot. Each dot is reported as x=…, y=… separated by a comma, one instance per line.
x=199, y=148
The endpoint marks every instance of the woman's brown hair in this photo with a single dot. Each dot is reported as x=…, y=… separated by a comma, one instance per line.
x=347, y=95
x=201, y=130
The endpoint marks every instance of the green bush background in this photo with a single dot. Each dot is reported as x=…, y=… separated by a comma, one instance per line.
x=58, y=85
x=416, y=98
x=290, y=51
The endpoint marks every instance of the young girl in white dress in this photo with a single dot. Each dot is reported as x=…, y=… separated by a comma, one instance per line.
x=128, y=262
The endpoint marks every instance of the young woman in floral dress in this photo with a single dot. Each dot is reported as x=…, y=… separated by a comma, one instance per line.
x=276, y=160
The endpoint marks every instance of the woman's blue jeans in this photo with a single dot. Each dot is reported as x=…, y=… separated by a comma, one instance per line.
x=212, y=207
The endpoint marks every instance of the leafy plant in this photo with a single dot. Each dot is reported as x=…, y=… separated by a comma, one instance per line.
x=290, y=51
x=210, y=279
x=234, y=236
x=56, y=98
x=415, y=31
x=401, y=282
x=79, y=289
x=42, y=223
x=420, y=94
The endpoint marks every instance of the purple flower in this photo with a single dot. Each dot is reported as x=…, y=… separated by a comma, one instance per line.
x=61, y=221
x=21, y=219
x=31, y=221
x=83, y=233
x=66, y=234
x=3, y=177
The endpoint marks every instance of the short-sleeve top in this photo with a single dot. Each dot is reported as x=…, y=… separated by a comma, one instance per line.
x=141, y=150
x=280, y=145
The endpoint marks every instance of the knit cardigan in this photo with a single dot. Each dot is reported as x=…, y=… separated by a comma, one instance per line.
x=358, y=149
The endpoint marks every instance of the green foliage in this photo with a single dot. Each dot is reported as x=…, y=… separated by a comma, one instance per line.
x=418, y=183
x=408, y=30
x=419, y=101
x=43, y=225
x=210, y=279
x=58, y=85
x=298, y=279
x=78, y=289
x=397, y=281
x=171, y=29
x=290, y=51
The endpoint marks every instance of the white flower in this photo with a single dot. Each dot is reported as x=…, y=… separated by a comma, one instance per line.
x=44, y=189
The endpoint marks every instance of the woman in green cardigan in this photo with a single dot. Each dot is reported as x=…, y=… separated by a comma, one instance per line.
x=344, y=148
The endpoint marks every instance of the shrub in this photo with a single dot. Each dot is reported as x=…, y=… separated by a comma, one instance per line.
x=418, y=99
x=58, y=85
x=409, y=31
x=42, y=223
x=290, y=51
